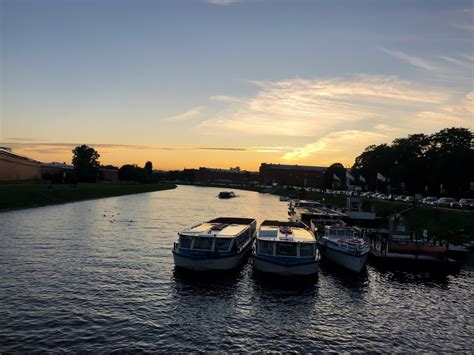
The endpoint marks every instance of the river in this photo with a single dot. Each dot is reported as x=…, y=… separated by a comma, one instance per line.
x=98, y=276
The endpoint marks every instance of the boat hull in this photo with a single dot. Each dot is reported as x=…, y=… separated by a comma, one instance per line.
x=285, y=270
x=210, y=264
x=352, y=262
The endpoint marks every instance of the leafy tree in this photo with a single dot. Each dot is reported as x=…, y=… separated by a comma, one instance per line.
x=335, y=169
x=375, y=159
x=129, y=172
x=149, y=168
x=86, y=163
x=421, y=163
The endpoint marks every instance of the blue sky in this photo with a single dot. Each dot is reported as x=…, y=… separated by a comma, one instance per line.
x=308, y=82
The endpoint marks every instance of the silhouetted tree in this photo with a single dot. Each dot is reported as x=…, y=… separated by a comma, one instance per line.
x=338, y=170
x=86, y=163
x=421, y=163
x=149, y=168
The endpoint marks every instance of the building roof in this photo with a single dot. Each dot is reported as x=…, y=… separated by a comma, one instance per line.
x=293, y=167
x=57, y=165
x=233, y=171
x=8, y=152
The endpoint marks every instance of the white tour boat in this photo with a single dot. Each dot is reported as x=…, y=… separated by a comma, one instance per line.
x=219, y=244
x=345, y=246
x=285, y=248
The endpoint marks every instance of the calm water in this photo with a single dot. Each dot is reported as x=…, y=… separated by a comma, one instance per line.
x=99, y=276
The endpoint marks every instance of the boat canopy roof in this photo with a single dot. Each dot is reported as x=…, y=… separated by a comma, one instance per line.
x=306, y=203
x=341, y=230
x=321, y=212
x=285, y=232
x=223, y=227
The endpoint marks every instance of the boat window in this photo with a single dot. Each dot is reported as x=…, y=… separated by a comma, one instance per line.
x=202, y=243
x=265, y=247
x=350, y=233
x=306, y=249
x=268, y=233
x=341, y=232
x=222, y=244
x=286, y=249
x=185, y=241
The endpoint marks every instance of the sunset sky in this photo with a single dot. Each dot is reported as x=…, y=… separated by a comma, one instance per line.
x=224, y=83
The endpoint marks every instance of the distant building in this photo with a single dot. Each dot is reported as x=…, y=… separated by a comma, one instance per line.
x=54, y=169
x=292, y=175
x=224, y=176
x=110, y=175
x=14, y=167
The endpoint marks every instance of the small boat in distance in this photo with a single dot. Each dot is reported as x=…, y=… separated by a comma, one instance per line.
x=285, y=248
x=219, y=244
x=345, y=246
x=227, y=194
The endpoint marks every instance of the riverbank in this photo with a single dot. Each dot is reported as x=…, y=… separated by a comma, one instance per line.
x=16, y=196
x=441, y=223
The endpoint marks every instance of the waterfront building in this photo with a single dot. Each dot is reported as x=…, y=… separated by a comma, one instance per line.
x=15, y=167
x=55, y=171
x=292, y=175
x=110, y=175
x=224, y=176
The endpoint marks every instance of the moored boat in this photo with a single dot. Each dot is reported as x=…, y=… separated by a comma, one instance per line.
x=294, y=204
x=345, y=246
x=285, y=248
x=322, y=215
x=219, y=244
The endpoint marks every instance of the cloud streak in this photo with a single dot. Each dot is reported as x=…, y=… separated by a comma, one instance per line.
x=222, y=2
x=185, y=116
x=299, y=107
x=66, y=148
x=343, y=114
x=335, y=145
x=416, y=61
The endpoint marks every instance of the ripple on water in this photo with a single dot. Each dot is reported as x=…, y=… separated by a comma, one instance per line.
x=74, y=280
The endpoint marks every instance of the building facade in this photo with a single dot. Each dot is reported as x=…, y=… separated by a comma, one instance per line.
x=14, y=167
x=292, y=175
x=224, y=176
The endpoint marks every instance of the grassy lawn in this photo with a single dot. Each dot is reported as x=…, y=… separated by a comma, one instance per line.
x=456, y=226
x=41, y=194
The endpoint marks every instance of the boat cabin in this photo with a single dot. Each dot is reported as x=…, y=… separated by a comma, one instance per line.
x=342, y=232
x=218, y=235
x=285, y=239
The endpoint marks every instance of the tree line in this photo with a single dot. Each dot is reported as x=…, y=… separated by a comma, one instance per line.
x=440, y=163
x=87, y=168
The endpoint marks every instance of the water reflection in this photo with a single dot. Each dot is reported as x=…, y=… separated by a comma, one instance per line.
x=82, y=278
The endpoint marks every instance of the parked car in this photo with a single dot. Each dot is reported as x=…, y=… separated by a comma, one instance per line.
x=410, y=199
x=455, y=205
x=445, y=202
x=466, y=203
x=430, y=200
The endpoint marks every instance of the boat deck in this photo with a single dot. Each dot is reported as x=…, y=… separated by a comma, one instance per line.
x=220, y=230
x=285, y=233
